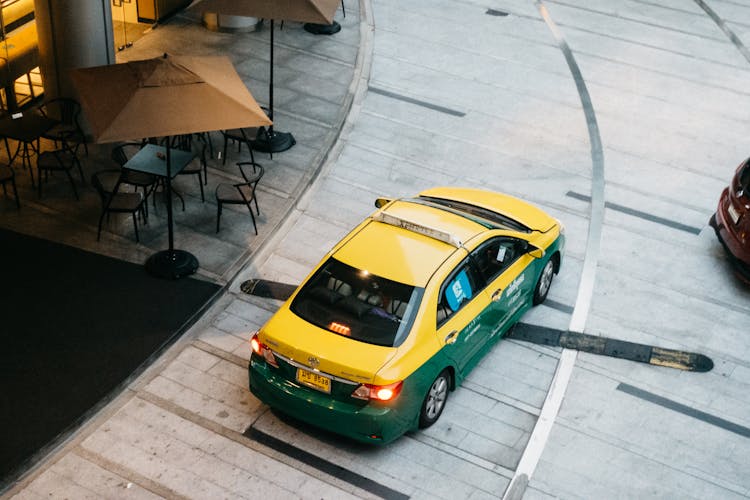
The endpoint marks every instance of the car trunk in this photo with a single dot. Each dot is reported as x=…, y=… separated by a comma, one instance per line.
x=324, y=353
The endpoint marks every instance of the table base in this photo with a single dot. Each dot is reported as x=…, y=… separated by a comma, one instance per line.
x=172, y=264
x=322, y=29
x=22, y=151
x=274, y=142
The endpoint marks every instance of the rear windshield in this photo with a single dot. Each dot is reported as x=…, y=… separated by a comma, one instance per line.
x=483, y=216
x=744, y=177
x=356, y=304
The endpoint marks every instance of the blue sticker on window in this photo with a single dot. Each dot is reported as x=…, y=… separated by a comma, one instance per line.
x=458, y=290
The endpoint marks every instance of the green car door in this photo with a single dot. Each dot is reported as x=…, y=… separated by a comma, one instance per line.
x=509, y=271
x=462, y=300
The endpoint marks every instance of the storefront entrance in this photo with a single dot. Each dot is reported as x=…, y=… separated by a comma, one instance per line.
x=127, y=24
x=20, y=81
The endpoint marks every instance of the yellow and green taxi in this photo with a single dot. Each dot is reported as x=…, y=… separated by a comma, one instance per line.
x=399, y=311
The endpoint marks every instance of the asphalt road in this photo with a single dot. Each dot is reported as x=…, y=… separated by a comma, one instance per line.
x=623, y=119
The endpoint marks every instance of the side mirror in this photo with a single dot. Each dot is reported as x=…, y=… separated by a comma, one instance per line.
x=381, y=202
x=535, y=252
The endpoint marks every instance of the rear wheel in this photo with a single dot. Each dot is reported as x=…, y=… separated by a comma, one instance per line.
x=544, y=282
x=434, y=401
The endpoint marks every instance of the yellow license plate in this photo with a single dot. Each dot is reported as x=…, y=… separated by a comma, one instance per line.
x=314, y=380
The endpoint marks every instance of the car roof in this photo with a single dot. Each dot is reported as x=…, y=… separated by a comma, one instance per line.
x=506, y=205
x=406, y=255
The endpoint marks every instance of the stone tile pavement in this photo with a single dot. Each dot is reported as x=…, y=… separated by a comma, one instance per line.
x=451, y=93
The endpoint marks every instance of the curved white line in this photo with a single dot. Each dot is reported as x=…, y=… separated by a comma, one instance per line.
x=551, y=407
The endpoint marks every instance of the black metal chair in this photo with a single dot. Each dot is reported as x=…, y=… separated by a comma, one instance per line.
x=7, y=175
x=67, y=133
x=240, y=136
x=59, y=160
x=146, y=182
x=206, y=137
x=198, y=166
x=174, y=142
x=241, y=193
x=247, y=136
x=115, y=201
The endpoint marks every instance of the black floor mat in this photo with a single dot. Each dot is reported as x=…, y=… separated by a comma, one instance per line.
x=74, y=325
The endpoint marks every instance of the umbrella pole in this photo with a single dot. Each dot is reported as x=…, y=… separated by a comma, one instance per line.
x=272, y=141
x=171, y=263
x=170, y=229
x=270, y=85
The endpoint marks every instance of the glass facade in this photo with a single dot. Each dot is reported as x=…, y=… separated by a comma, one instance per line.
x=20, y=81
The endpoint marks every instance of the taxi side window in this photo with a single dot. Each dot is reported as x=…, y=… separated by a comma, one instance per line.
x=496, y=255
x=460, y=287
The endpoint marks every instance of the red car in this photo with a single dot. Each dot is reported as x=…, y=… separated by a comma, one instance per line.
x=732, y=220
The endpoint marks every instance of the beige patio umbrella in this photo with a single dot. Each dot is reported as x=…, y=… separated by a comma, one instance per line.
x=306, y=11
x=162, y=97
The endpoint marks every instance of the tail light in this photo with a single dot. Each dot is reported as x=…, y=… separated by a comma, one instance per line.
x=261, y=349
x=256, y=345
x=378, y=392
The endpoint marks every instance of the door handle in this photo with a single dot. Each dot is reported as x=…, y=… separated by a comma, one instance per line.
x=496, y=295
x=451, y=337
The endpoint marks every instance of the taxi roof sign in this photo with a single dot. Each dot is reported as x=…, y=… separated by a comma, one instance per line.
x=415, y=227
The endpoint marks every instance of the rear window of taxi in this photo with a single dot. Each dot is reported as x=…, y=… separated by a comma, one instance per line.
x=355, y=303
